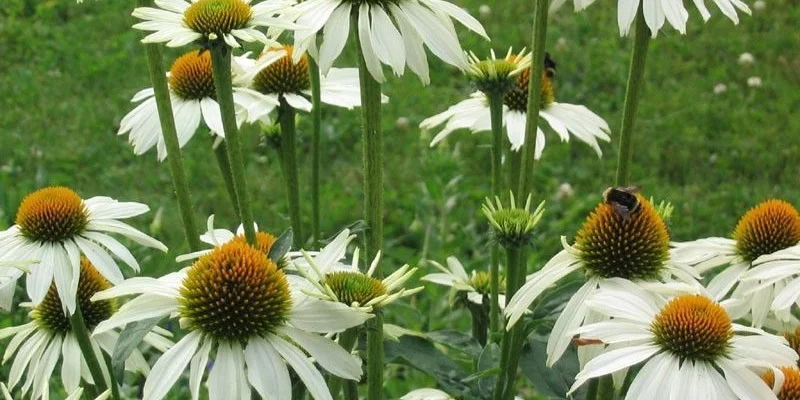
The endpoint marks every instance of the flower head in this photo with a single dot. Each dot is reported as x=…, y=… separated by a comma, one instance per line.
x=180, y=22
x=54, y=226
x=390, y=32
x=565, y=119
x=235, y=304
x=513, y=226
x=217, y=237
x=476, y=285
x=495, y=75
x=689, y=346
x=789, y=388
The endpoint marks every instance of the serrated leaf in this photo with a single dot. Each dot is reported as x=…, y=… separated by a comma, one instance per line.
x=281, y=246
x=457, y=341
x=129, y=339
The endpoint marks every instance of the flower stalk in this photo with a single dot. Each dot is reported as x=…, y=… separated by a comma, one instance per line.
x=158, y=77
x=534, y=97
x=496, y=114
x=374, y=327
x=286, y=117
x=513, y=260
x=221, y=154
x=316, y=148
x=85, y=344
x=221, y=67
x=634, y=88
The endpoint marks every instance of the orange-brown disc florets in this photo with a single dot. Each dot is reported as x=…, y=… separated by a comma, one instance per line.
x=791, y=383
x=693, y=327
x=52, y=214
x=49, y=314
x=768, y=227
x=516, y=99
x=217, y=16
x=264, y=242
x=633, y=246
x=794, y=341
x=191, y=77
x=284, y=75
x=235, y=292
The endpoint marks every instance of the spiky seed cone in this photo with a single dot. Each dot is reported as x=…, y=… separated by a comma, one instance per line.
x=766, y=228
x=516, y=98
x=791, y=383
x=284, y=75
x=354, y=287
x=217, y=16
x=52, y=214
x=693, y=327
x=191, y=76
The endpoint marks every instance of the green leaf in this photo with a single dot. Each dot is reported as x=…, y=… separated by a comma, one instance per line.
x=129, y=339
x=281, y=246
x=457, y=341
x=552, y=382
x=488, y=360
x=554, y=300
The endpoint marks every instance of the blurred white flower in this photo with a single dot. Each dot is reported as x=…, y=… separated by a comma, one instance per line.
x=485, y=11
x=402, y=123
x=754, y=81
x=746, y=59
x=720, y=88
x=561, y=43
x=759, y=5
x=564, y=191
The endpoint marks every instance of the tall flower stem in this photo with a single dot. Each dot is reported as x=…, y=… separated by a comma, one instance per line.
x=517, y=333
x=374, y=327
x=496, y=114
x=286, y=118
x=347, y=340
x=534, y=96
x=513, y=259
x=158, y=77
x=316, y=148
x=221, y=153
x=85, y=344
x=634, y=88
x=221, y=67
x=605, y=389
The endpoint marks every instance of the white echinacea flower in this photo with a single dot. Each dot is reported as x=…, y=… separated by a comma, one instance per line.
x=391, y=32
x=689, y=347
x=611, y=244
x=180, y=22
x=54, y=226
x=238, y=308
x=781, y=269
x=564, y=118
x=432, y=394
x=37, y=347
x=760, y=234
x=193, y=97
x=475, y=285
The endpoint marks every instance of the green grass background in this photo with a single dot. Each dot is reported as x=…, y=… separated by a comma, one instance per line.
x=67, y=72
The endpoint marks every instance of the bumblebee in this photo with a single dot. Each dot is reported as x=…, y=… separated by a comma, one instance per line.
x=624, y=200
x=549, y=66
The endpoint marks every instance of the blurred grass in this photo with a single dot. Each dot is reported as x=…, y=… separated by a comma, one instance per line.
x=67, y=73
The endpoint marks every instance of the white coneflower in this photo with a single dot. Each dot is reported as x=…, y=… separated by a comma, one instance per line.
x=474, y=285
x=278, y=78
x=565, y=119
x=720, y=88
x=754, y=81
x=777, y=280
x=689, y=347
x=746, y=59
x=180, y=22
x=764, y=230
x=759, y=5
x=236, y=305
x=656, y=12
x=632, y=245
x=54, y=226
x=330, y=280
x=391, y=32
x=193, y=98
x=37, y=347
x=217, y=237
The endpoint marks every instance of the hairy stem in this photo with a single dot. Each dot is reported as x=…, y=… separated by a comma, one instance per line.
x=289, y=163
x=221, y=154
x=85, y=344
x=316, y=148
x=496, y=113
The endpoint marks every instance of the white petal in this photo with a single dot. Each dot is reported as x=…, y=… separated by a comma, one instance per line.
x=307, y=372
x=327, y=353
x=325, y=316
x=212, y=116
x=170, y=366
x=198, y=367
x=266, y=370
x=569, y=319
x=335, y=36
x=744, y=383
x=364, y=34
x=613, y=361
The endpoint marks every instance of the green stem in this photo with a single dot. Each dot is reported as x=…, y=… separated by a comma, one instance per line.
x=591, y=389
x=479, y=313
x=496, y=113
x=513, y=257
x=372, y=156
x=517, y=332
x=374, y=327
x=514, y=170
x=85, y=344
x=289, y=164
x=114, y=386
x=221, y=153
x=538, y=43
x=347, y=341
x=316, y=148
x=634, y=88
x=351, y=390
x=158, y=78
x=221, y=66
x=605, y=390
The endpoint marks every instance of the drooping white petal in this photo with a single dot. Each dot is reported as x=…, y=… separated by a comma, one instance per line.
x=170, y=366
x=266, y=371
x=307, y=372
x=327, y=353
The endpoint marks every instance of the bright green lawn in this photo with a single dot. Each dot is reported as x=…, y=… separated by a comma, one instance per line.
x=68, y=71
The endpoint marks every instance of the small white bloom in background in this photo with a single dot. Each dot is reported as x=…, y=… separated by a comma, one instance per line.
x=402, y=123
x=432, y=394
x=746, y=59
x=759, y=236
x=193, y=97
x=611, y=245
x=759, y=5
x=274, y=77
x=720, y=88
x=252, y=334
x=561, y=44
x=476, y=285
x=390, y=32
x=565, y=119
x=180, y=22
x=689, y=346
x=37, y=347
x=754, y=81
x=53, y=228
x=485, y=11
x=564, y=191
